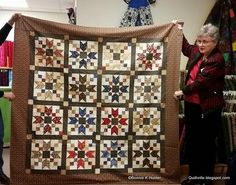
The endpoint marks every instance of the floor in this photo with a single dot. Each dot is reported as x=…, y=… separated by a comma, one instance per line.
x=6, y=167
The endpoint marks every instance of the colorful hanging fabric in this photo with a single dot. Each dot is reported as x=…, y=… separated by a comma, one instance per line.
x=4, y=77
x=232, y=10
x=6, y=54
x=219, y=16
x=137, y=14
x=223, y=15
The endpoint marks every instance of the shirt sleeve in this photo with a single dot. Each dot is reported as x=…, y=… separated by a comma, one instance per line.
x=186, y=47
x=5, y=30
x=209, y=77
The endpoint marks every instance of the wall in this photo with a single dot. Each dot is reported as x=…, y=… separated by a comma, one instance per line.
x=6, y=15
x=108, y=13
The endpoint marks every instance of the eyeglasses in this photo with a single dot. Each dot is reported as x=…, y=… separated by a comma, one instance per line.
x=203, y=42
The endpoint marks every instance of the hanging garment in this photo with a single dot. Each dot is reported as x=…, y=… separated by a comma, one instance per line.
x=6, y=54
x=223, y=16
x=137, y=14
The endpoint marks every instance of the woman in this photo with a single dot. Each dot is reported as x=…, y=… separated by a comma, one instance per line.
x=4, y=31
x=203, y=96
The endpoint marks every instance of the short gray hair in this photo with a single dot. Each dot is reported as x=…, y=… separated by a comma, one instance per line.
x=209, y=30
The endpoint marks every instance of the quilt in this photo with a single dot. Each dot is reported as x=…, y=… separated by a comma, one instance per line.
x=94, y=105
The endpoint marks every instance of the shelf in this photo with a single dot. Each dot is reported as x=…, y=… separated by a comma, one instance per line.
x=5, y=88
x=10, y=68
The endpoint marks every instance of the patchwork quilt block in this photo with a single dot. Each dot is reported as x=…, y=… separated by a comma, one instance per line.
x=97, y=105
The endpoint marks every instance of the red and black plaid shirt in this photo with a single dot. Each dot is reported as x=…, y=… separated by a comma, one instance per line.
x=209, y=82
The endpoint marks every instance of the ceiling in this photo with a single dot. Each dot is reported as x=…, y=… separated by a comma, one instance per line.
x=37, y=5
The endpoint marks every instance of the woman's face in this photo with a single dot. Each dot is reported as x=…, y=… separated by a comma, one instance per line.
x=206, y=44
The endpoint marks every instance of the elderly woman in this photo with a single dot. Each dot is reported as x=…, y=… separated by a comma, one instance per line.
x=203, y=96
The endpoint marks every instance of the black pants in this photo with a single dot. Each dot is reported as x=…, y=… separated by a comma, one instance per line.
x=201, y=131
